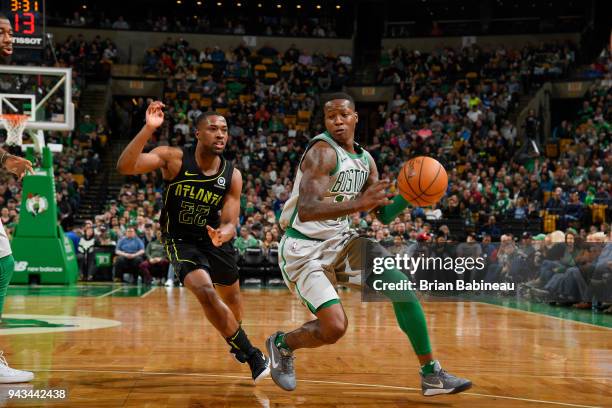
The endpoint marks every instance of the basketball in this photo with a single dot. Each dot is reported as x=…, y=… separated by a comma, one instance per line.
x=422, y=181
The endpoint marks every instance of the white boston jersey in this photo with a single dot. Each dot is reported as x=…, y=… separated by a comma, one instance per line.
x=5, y=246
x=347, y=181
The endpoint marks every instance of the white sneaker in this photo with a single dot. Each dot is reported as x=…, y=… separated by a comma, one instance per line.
x=169, y=282
x=9, y=375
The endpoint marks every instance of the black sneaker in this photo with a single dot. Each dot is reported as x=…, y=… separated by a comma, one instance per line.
x=238, y=355
x=259, y=364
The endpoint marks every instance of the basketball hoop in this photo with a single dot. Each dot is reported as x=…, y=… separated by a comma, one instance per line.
x=15, y=125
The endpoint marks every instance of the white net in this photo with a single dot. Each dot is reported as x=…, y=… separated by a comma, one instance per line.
x=14, y=125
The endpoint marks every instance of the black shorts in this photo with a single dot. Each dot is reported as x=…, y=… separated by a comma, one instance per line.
x=188, y=255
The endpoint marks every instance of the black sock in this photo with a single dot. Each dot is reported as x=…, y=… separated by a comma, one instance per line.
x=240, y=341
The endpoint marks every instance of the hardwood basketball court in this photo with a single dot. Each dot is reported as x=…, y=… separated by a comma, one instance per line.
x=153, y=348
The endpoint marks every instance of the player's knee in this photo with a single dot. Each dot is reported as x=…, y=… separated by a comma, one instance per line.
x=206, y=294
x=232, y=299
x=333, y=330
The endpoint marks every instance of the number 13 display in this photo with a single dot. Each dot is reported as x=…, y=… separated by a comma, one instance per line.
x=27, y=18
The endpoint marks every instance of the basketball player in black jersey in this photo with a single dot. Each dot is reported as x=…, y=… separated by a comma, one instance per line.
x=199, y=218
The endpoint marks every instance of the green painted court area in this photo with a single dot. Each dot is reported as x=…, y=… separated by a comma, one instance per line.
x=92, y=290
x=567, y=313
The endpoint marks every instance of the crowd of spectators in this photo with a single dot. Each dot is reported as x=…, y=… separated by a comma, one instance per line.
x=88, y=58
x=462, y=121
x=267, y=94
x=560, y=268
x=569, y=269
x=455, y=105
x=204, y=23
x=518, y=69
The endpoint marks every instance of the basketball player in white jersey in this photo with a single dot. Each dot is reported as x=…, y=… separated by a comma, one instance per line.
x=18, y=166
x=336, y=178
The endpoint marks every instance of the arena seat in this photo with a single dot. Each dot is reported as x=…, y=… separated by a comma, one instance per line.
x=79, y=178
x=290, y=120
x=550, y=222
x=304, y=116
x=598, y=213
x=270, y=78
x=206, y=102
x=565, y=145
x=253, y=265
x=552, y=150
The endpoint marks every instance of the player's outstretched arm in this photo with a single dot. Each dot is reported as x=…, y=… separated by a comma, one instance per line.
x=229, y=213
x=317, y=166
x=133, y=160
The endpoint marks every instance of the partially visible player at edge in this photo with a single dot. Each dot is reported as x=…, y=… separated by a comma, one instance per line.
x=200, y=183
x=19, y=167
x=335, y=178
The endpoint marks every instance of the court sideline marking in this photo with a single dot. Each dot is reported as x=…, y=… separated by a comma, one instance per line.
x=153, y=289
x=392, y=387
x=545, y=315
x=111, y=292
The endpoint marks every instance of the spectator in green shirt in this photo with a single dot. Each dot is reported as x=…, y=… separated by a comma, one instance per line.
x=503, y=202
x=87, y=129
x=156, y=264
x=590, y=197
x=245, y=240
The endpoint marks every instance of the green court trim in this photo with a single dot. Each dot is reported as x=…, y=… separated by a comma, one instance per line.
x=108, y=290
x=328, y=304
x=588, y=317
x=312, y=309
x=81, y=290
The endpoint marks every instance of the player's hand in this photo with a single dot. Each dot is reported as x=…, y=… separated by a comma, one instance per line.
x=375, y=196
x=18, y=166
x=216, y=235
x=155, y=115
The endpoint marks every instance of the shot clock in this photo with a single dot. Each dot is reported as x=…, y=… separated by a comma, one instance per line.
x=28, y=20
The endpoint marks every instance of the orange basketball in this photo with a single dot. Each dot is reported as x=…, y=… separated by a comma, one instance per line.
x=422, y=181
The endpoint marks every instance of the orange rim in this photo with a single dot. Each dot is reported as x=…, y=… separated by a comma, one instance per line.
x=14, y=118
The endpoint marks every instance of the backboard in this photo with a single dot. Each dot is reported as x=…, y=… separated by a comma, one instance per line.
x=42, y=93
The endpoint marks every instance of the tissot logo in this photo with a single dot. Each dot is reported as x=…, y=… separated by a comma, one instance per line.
x=27, y=41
